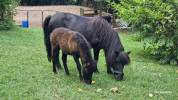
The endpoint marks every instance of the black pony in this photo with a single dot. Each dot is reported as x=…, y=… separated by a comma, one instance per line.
x=98, y=32
x=74, y=43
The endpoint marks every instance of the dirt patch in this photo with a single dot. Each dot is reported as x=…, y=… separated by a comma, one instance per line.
x=35, y=13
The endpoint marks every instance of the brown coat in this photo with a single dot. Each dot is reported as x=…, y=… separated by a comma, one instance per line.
x=65, y=39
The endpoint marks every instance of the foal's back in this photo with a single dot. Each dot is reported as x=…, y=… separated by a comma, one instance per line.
x=66, y=40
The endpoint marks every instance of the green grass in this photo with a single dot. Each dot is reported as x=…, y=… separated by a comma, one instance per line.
x=25, y=73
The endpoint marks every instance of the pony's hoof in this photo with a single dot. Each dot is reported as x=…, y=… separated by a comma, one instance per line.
x=67, y=74
x=49, y=59
x=55, y=72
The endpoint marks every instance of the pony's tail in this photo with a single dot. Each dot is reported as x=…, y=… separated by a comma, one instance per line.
x=47, y=32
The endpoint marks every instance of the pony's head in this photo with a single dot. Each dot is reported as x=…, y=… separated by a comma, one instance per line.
x=121, y=59
x=88, y=70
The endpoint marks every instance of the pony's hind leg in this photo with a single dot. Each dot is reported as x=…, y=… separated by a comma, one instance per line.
x=53, y=51
x=64, y=59
x=78, y=66
x=58, y=64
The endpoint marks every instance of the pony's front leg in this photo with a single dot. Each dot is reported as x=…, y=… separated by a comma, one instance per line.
x=64, y=59
x=109, y=70
x=96, y=57
x=107, y=64
x=78, y=66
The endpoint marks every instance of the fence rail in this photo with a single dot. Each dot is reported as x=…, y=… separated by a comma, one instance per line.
x=36, y=17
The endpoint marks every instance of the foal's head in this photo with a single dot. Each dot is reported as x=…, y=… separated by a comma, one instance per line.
x=88, y=70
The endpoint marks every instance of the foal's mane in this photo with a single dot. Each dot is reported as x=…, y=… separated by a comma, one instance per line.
x=85, y=46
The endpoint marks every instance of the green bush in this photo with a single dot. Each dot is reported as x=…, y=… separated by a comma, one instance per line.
x=157, y=22
x=6, y=13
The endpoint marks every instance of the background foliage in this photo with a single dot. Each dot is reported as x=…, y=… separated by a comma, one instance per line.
x=157, y=21
x=95, y=3
x=6, y=13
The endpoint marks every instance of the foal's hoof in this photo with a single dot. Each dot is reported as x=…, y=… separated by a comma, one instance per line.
x=81, y=78
x=59, y=68
x=109, y=72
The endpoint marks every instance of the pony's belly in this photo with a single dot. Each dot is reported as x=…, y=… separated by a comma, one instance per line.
x=72, y=53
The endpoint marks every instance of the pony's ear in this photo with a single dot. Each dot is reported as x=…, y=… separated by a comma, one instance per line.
x=124, y=58
x=129, y=52
x=117, y=52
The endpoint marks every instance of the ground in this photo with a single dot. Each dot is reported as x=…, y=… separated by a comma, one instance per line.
x=35, y=13
x=25, y=73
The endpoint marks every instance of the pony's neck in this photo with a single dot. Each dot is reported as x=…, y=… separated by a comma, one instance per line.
x=111, y=43
x=111, y=47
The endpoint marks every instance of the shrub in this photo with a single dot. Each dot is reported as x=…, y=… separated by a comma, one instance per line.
x=157, y=22
x=6, y=13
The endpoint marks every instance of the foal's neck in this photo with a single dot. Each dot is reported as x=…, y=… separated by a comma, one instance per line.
x=85, y=56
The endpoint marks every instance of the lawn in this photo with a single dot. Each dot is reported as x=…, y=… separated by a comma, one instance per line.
x=25, y=73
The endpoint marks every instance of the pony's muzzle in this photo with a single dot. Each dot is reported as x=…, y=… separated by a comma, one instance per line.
x=117, y=74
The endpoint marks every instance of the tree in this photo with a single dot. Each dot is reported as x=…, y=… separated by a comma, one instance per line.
x=157, y=22
x=79, y=2
x=6, y=13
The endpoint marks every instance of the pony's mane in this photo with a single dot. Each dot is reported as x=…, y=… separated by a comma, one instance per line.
x=101, y=24
x=107, y=35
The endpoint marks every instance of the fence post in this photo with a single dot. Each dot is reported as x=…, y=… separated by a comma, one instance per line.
x=28, y=19
x=81, y=11
x=42, y=17
x=57, y=11
x=100, y=13
x=27, y=15
x=114, y=20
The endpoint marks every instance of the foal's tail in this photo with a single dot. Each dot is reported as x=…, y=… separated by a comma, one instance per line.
x=47, y=32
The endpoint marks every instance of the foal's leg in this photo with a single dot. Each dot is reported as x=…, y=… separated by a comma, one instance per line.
x=96, y=56
x=78, y=66
x=64, y=59
x=58, y=64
